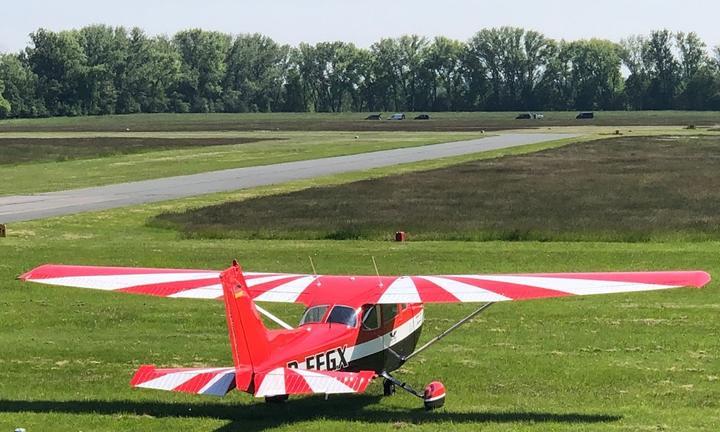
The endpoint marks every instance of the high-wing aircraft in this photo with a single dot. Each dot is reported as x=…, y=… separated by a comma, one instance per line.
x=355, y=328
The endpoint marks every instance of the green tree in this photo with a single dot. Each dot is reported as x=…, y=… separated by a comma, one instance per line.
x=443, y=61
x=331, y=74
x=21, y=87
x=151, y=77
x=696, y=76
x=596, y=79
x=663, y=69
x=256, y=70
x=106, y=52
x=384, y=72
x=414, y=78
x=58, y=61
x=203, y=56
x=399, y=77
x=294, y=96
x=556, y=88
x=515, y=61
x=638, y=81
x=101, y=70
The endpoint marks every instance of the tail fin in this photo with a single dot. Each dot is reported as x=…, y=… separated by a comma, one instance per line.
x=248, y=335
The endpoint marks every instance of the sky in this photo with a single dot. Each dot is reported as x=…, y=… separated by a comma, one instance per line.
x=364, y=22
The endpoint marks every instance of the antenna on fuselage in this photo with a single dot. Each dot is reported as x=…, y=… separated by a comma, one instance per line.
x=376, y=271
x=312, y=265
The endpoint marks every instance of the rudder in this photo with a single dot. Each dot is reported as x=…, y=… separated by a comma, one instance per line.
x=248, y=335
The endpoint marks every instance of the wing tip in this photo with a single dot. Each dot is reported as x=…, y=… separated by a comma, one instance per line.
x=142, y=374
x=36, y=272
x=702, y=278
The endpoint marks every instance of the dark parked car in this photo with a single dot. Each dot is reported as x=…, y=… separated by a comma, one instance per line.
x=423, y=117
x=529, y=116
x=585, y=116
x=374, y=117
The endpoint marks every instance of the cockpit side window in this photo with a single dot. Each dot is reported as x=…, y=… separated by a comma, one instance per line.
x=343, y=315
x=389, y=312
x=314, y=314
x=371, y=318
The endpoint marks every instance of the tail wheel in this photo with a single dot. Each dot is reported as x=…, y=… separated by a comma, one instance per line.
x=434, y=395
x=388, y=388
x=276, y=399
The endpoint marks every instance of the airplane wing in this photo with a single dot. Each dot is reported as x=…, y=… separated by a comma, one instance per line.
x=359, y=290
x=289, y=381
x=176, y=283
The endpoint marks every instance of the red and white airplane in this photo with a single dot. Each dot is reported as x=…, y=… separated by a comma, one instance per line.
x=355, y=328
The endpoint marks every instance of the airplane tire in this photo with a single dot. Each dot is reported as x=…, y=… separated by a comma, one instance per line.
x=388, y=388
x=276, y=399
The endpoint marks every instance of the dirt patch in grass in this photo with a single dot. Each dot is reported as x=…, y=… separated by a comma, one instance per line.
x=24, y=150
x=624, y=189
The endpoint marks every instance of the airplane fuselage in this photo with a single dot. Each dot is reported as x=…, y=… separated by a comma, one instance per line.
x=379, y=345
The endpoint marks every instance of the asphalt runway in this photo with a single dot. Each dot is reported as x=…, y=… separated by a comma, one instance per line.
x=44, y=205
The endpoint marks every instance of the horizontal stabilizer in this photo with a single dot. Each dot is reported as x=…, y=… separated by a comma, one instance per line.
x=290, y=381
x=205, y=381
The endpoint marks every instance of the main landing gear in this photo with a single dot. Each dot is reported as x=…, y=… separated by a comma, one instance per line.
x=433, y=396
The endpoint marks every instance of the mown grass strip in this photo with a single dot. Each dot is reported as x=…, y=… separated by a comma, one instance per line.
x=283, y=147
x=60, y=149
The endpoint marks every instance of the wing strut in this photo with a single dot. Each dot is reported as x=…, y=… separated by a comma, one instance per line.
x=275, y=319
x=448, y=331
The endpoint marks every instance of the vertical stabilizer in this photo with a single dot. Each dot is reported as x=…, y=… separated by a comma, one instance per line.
x=248, y=335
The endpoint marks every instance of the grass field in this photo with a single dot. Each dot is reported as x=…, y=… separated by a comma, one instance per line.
x=627, y=362
x=635, y=362
x=284, y=147
x=619, y=189
x=623, y=362
x=467, y=121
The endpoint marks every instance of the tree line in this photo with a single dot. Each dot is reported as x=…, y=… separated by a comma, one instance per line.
x=104, y=70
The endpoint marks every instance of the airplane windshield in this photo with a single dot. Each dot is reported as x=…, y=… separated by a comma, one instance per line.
x=343, y=315
x=313, y=315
